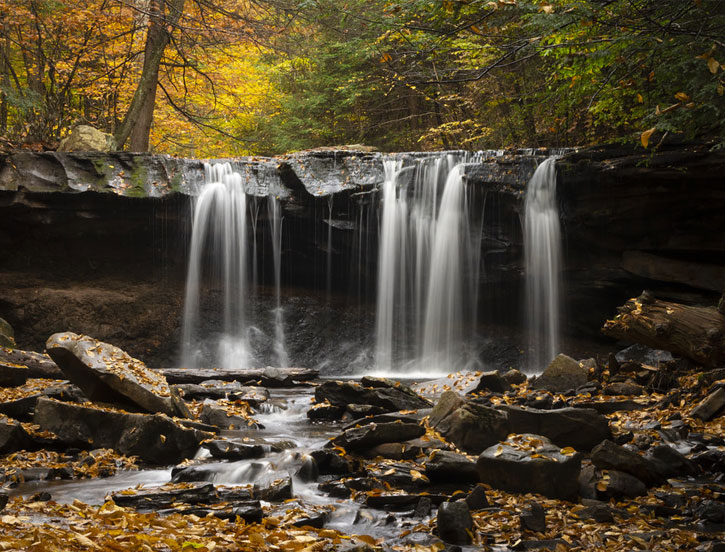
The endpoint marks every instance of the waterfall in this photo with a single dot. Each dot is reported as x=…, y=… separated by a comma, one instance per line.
x=426, y=263
x=219, y=227
x=542, y=245
x=276, y=230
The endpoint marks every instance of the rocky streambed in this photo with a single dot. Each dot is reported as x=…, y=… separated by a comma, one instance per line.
x=101, y=453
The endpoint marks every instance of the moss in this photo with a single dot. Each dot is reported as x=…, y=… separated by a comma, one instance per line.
x=176, y=182
x=139, y=179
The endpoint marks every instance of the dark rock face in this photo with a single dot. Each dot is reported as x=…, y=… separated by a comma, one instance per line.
x=107, y=374
x=563, y=374
x=540, y=468
x=12, y=375
x=471, y=427
x=13, y=437
x=581, y=428
x=455, y=523
x=391, y=398
x=446, y=466
x=371, y=435
x=610, y=456
x=154, y=438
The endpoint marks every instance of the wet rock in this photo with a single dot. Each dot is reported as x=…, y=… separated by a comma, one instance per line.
x=390, y=398
x=155, y=438
x=422, y=508
x=39, y=365
x=13, y=437
x=250, y=511
x=623, y=388
x=325, y=412
x=3, y=500
x=609, y=407
x=398, y=475
x=106, y=374
x=407, y=418
x=710, y=461
x=587, y=481
x=357, y=411
x=710, y=510
x=471, y=427
x=194, y=473
x=670, y=463
x=515, y=377
x=595, y=510
x=492, y=381
x=290, y=376
x=214, y=414
x=530, y=464
x=393, y=451
x=610, y=456
x=308, y=470
x=711, y=406
x=476, y=499
x=273, y=490
x=454, y=521
x=217, y=389
x=533, y=518
x=447, y=466
x=330, y=462
x=580, y=428
x=7, y=335
x=158, y=498
x=371, y=435
x=616, y=484
x=13, y=375
x=230, y=450
x=563, y=374
x=395, y=502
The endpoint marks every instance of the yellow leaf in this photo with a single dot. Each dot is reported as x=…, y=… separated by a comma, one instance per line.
x=682, y=97
x=646, y=136
x=547, y=9
x=499, y=451
x=602, y=485
x=367, y=539
x=640, y=99
x=567, y=451
x=256, y=538
x=713, y=65
x=720, y=89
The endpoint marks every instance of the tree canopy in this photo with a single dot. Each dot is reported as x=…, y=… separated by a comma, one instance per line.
x=211, y=78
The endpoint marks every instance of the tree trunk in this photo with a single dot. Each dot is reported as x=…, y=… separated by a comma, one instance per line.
x=136, y=124
x=697, y=333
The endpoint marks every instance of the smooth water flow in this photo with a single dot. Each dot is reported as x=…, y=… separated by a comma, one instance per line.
x=427, y=261
x=542, y=245
x=275, y=211
x=219, y=228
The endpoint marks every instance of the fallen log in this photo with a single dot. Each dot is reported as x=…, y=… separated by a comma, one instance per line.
x=697, y=333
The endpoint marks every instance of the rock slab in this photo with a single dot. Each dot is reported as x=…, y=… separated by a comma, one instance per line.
x=155, y=438
x=106, y=374
x=563, y=374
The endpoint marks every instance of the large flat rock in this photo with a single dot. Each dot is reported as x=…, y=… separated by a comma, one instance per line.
x=106, y=374
x=155, y=438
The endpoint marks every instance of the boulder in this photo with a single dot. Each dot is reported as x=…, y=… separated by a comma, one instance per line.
x=330, y=462
x=7, y=335
x=106, y=374
x=710, y=405
x=563, y=374
x=87, y=138
x=515, y=377
x=476, y=499
x=13, y=375
x=610, y=456
x=470, y=426
x=581, y=428
x=618, y=484
x=447, y=466
x=39, y=366
x=530, y=464
x=214, y=414
x=165, y=496
x=492, y=381
x=455, y=524
x=230, y=450
x=389, y=397
x=533, y=518
x=217, y=389
x=373, y=434
x=13, y=437
x=155, y=438
x=670, y=463
x=274, y=490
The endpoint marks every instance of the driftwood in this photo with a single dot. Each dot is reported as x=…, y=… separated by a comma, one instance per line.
x=697, y=333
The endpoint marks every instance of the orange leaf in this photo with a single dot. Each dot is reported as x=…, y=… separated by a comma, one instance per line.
x=646, y=136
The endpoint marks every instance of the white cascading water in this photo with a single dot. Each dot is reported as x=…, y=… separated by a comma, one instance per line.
x=426, y=260
x=219, y=225
x=275, y=211
x=542, y=245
